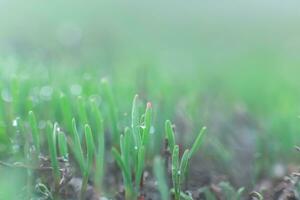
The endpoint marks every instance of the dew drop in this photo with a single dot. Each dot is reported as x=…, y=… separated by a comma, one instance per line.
x=15, y=122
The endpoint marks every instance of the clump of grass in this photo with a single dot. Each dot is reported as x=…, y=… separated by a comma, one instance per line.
x=133, y=143
x=100, y=145
x=85, y=162
x=180, y=165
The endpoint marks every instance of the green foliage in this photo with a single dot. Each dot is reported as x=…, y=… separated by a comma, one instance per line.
x=100, y=145
x=180, y=165
x=51, y=138
x=62, y=144
x=35, y=132
x=85, y=162
x=133, y=144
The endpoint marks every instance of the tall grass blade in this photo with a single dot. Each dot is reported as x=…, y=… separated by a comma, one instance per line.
x=34, y=131
x=197, y=142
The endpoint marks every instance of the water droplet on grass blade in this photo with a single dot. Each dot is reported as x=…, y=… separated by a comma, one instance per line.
x=15, y=122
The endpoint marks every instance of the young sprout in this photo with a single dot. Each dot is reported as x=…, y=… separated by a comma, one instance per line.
x=90, y=149
x=180, y=165
x=170, y=135
x=100, y=146
x=34, y=131
x=85, y=164
x=76, y=146
x=51, y=138
x=133, y=144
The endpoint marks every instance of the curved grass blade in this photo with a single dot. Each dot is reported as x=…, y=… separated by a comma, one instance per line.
x=125, y=173
x=147, y=124
x=90, y=149
x=51, y=138
x=76, y=147
x=170, y=135
x=197, y=142
x=183, y=165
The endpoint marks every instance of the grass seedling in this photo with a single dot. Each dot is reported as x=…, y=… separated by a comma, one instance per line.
x=180, y=165
x=51, y=138
x=35, y=133
x=85, y=164
x=131, y=159
x=100, y=145
x=160, y=176
x=90, y=149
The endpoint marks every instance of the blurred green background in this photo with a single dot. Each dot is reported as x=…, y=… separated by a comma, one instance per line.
x=232, y=66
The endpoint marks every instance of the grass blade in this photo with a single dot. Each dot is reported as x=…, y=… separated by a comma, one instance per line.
x=140, y=166
x=183, y=165
x=62, y=144
x=51, y=138
x=175, y=170
x=100, y=151
x=76, y=147
x=170, y=135
x=135, y=122
x=147, y=124
x=197, y=142
x=35, y=132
